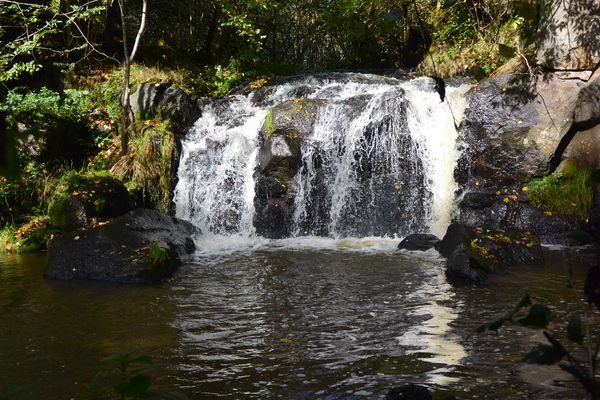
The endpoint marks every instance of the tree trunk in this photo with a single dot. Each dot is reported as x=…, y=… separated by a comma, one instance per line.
x=128, y=59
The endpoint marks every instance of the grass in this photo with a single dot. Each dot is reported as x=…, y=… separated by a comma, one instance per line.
x=569, y=193
x=33, y=236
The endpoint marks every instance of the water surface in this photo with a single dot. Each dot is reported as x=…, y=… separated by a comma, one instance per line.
x=347, y=320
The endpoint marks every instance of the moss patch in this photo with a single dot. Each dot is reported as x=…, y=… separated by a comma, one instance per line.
x=163, y=263
x=268, y=127
x=569, y=193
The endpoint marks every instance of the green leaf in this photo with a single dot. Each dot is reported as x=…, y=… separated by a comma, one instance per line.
x=544, y=355
x=495, y=324
x=506, y=51
x=539, y=316
x=524, y=302
x=575, y=330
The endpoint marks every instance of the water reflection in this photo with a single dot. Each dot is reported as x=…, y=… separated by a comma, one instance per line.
x=270, y=320
x=433, y=340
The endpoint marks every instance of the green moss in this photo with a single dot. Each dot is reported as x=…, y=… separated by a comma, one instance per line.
x=481, y=258
x=162, y=263
x=570, y=169
x=567, y=195
x=7, y=237
x=268, y=127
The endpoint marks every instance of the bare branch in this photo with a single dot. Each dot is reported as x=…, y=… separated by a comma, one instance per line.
x=91, y=45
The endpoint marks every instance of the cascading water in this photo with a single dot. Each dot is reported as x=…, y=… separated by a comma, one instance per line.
x=378, y=162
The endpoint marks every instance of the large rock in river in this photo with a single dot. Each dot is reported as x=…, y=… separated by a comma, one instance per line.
x=510, y=207
x=143, y=246
x=516, y=128
x=286, y=128
x=419, y=242
x=474, y=252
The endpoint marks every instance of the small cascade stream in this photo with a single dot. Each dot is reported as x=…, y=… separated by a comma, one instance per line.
x=378, y=163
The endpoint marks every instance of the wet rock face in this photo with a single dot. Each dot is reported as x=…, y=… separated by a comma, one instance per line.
x=123, y=249
x=511, y=208
x=568, y=35
x=288, y=126
x=513, y=126
x=474, y=252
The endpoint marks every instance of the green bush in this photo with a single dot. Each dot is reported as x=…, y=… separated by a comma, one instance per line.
x=568, y=195
x=38, y=107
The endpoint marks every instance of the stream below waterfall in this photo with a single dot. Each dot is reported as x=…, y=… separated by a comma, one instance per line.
x=347, y=321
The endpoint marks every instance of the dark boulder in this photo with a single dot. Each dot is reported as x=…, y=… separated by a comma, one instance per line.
x=149, y=99
x=418, y=241
x=474, y=252
x=143, y=246
x=83, y=197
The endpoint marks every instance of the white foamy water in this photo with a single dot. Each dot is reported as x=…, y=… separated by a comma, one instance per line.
x=379, y=163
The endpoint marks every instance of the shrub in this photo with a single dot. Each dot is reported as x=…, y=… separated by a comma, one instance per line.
x=568, y=195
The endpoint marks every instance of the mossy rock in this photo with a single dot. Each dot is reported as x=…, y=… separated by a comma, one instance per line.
x=142, y=246
x=474, y=252
x=81, y=197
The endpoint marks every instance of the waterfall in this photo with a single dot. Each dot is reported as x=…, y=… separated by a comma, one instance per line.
x=379, y=160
